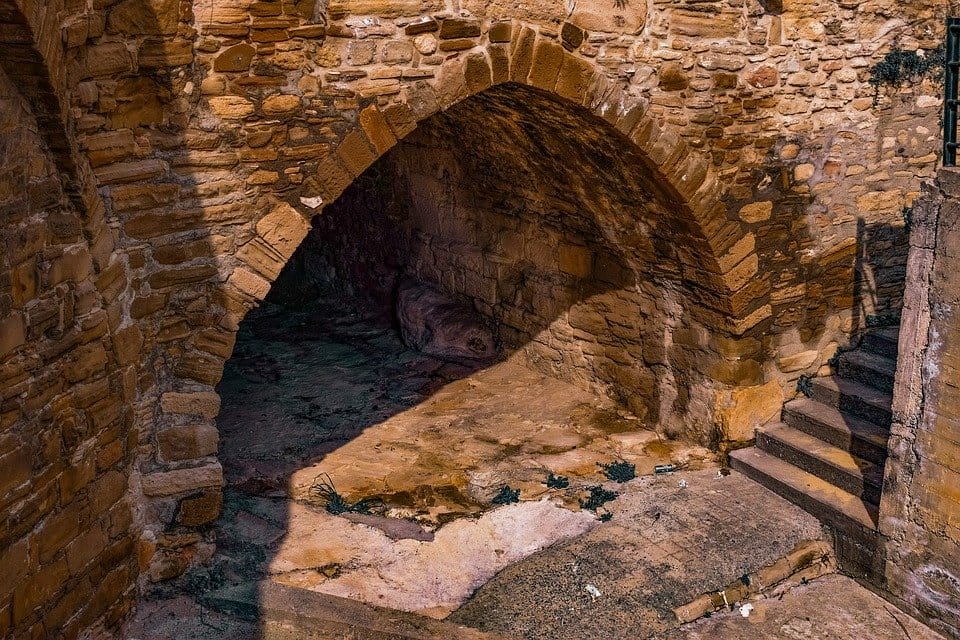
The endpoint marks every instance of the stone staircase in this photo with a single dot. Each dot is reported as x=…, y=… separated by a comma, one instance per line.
x=827, y=452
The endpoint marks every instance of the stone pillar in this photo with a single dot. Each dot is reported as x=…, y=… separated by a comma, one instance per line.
x=920, y=508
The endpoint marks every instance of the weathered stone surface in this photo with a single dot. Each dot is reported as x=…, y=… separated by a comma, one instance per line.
x=596, y=15
x=167, y=483
x=231, y=107
x=187, y=442
x=749, y=408
x=113, y=86
x=236, y=58
x=440, y=327
x=144, y=17
x=203, y=403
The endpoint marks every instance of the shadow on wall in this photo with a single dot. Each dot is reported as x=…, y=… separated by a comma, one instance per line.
x=536, y=217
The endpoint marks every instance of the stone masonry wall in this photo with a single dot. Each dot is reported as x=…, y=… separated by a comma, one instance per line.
x=67, y=392
x=200, y=139
x=920, y=512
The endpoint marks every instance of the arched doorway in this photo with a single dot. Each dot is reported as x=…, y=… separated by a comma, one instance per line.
x=499, y=300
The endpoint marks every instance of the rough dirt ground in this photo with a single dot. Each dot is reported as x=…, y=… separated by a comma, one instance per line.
x=319, y=395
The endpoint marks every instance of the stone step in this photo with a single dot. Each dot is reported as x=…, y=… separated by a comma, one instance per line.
x=860, y=437
x=871, y=369
x=852, y=397
x=882, y=341
x=830, y=504
x=281, y=609
x=838, y=467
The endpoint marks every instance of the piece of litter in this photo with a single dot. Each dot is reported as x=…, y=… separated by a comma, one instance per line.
x=746, y=609
x=313, y=202
x=664, y=468
x=682, y=484
x=593, y=591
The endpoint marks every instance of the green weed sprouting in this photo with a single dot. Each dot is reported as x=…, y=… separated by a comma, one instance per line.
x=557, y=482
x=597, y=498
x=619, y=470
x=506, y=495
x=805, y=385
x=324, y=489
x=899, y=66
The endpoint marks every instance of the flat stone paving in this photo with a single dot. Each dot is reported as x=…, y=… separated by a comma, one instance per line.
x=831, y=608
x=666, y=545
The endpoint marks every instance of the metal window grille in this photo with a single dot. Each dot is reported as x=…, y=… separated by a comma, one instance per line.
x=950, y=84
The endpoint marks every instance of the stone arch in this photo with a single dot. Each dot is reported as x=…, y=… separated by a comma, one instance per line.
x=32, y=54
x=718, y=261
x=517, y=53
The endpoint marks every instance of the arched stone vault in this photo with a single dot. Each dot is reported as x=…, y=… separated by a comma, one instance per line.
x=167, y=203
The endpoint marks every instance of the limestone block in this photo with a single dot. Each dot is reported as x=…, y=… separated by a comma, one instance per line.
x=571, y=35
x=130, y=171
x=378, y=131
x=798, y=361
x=231, y=107
x=756, y=211
x=458, y=44
x=500, y=32
x=425, y=24
x=281, y=105
x=187, y=442
x=249, y=284
x=425, y=43
x=200, y=403
x=106, y=60
x=573, y=82
x=338, y=9
x=328, y=56
x=283, y=229
x=599, y=15
x=108, y=147
x=168, y=483
x=748, y=408
x=156, y=53
x=684, y=22
x=200, y=509
x=397, y=52
x=39, y=589
x=547, y=59
x=452, y=28
x=673, y=77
